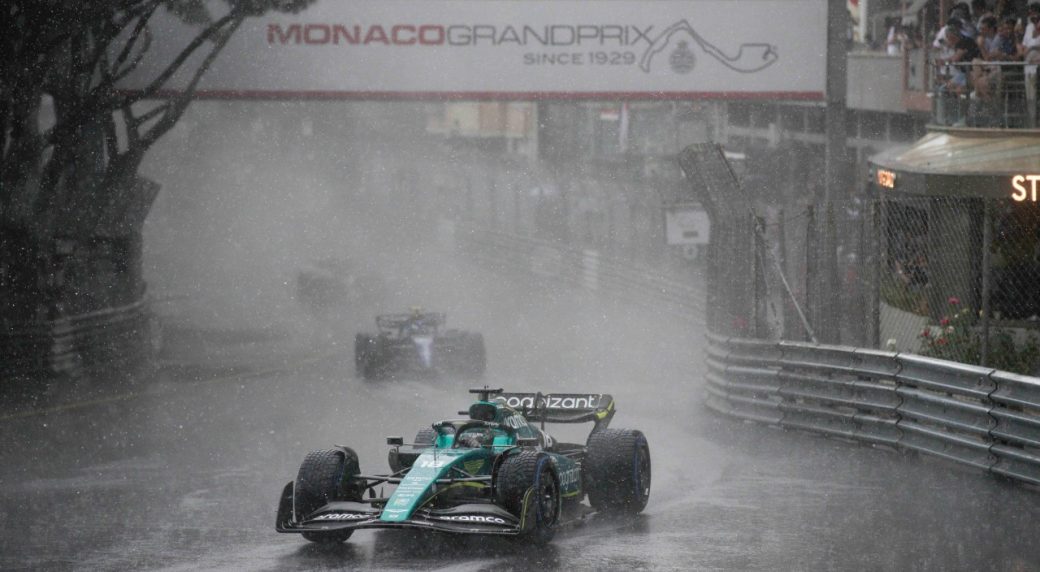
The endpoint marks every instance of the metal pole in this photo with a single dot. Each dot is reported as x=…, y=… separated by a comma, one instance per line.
x=987, y=243
x=811, y=301
x=760, y=328
x=781, y=240
x=833, y=315
x=837, y=58
x=874, y=269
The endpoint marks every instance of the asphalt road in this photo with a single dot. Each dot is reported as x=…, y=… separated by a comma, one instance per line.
x=183, y=473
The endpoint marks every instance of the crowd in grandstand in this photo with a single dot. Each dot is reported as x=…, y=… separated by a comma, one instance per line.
x=986, y=51
x=979, y=34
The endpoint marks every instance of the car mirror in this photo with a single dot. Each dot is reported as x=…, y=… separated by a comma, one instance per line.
x=395, y=441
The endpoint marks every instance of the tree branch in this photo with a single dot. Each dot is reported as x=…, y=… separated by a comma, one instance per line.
x=97, y=101
x=180, y=102
x=186, y=53
x=131, y=43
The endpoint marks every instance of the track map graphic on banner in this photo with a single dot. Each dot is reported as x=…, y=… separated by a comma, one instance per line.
x=512, y=49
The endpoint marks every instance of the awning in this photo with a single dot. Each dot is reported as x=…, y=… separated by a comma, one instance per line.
x=968, y=152
x=962, y=162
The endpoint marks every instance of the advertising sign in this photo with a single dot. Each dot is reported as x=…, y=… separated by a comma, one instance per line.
x=513, y=49
x=686, y=225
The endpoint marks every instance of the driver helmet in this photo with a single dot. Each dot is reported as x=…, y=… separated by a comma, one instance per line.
x=472, y=439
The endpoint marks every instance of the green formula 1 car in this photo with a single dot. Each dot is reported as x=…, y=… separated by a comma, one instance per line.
x=492, y=472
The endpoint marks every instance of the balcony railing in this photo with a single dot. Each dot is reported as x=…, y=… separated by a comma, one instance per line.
x=985, y=94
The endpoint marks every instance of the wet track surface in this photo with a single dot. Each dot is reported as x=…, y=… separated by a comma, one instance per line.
x=185, y=475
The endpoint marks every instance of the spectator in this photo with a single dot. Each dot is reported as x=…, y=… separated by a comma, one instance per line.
x=979, y=11
x=958, y=19
x=1006, y=43
x=1031, y=11
x=1004, y=9
x=964, y=51
x=996, y=44
x=963, y=11
x=897, y=39
x=1030, y=48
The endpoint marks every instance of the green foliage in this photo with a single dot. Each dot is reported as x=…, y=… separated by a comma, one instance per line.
x=1004, y=354
x=899, y=294
x=955, y=339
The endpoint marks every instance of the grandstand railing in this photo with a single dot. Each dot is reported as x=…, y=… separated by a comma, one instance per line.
x=993, y=95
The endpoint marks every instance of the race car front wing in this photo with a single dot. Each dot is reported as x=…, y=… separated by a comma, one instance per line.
x=469, y=518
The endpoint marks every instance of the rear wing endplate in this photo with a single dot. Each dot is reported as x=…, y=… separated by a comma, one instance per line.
x=595, y=408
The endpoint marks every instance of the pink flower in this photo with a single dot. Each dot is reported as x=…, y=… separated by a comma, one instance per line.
x=941, y=341
x=954, y=300
x=926, y=333
x=944, y=322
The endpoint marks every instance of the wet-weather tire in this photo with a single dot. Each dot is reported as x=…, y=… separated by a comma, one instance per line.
x=373, y=366
x=324, y=477
x=616, y=471
x=530, y=472
x=361, y=343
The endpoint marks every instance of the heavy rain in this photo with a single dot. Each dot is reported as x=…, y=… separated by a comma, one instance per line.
x=520, y=285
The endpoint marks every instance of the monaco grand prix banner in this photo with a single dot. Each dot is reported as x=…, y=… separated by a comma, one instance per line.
x=514, y=49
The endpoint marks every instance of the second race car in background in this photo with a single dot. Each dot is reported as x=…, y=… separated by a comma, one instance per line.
x=416, y=344
x=336, y=287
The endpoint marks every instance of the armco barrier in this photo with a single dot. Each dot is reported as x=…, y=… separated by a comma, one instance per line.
x=582, y=268
x=971, y=415
x=975, y=416
x=75, y=346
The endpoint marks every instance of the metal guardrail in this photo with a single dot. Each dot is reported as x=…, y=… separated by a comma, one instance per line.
x=981, y=417
x=582, y=268
x=74, y=346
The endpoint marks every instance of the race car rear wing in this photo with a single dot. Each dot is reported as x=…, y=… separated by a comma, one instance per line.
x=596, y=408
x=394, y=321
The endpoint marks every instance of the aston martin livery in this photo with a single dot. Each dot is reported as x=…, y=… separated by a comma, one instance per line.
x=495, y=471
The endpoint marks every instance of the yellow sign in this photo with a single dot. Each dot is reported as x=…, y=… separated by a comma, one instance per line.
x=886, y=178
x=1026, y=188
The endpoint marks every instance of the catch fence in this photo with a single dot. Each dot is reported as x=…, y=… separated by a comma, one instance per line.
x=784, y=291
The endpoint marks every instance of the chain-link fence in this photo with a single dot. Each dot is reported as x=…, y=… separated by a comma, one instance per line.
x=960, y=279
x=951, y=277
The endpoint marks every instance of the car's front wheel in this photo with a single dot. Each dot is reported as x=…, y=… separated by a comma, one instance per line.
x=527, y=487
x=323, y=478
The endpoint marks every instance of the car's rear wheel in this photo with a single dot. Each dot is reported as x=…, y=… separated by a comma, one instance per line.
x=361, y=343
x=616, y=470
x=527, y=486
x=324, y=477
x=373, y=364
